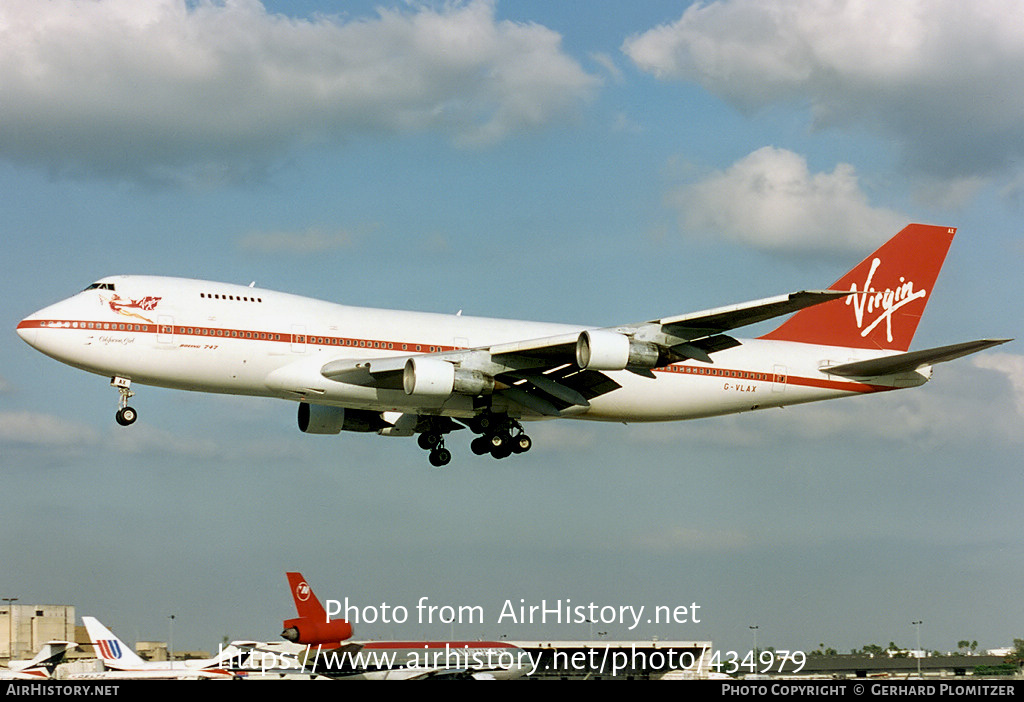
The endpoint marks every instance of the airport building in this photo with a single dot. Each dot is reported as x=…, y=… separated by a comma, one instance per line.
x=24, y=628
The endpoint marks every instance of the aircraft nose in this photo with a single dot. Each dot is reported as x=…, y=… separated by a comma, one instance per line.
x=27, y=330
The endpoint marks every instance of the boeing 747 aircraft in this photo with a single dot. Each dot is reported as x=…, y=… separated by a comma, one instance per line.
x=405, y=373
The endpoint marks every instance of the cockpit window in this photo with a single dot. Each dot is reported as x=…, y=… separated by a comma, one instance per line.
x=101, y=286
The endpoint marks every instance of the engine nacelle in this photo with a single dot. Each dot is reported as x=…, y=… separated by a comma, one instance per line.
x=429, y=377
x=322, y=419
x=605, y=350
x=313, y=632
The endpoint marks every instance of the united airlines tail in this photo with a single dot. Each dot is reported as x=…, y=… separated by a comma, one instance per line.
x=893, y=286
x=114, y=652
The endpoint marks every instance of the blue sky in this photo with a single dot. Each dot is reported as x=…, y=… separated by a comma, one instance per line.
x=597, y=162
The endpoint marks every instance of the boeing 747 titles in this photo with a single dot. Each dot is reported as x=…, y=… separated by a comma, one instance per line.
x=415, y=373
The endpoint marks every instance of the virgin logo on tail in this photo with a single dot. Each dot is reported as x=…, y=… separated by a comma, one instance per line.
x=880, y=294
x=883, y=302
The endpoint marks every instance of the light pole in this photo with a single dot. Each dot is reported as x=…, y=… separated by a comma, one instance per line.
x=753, y=665
x=10, y=627
x=170, y=638
x=918, y=655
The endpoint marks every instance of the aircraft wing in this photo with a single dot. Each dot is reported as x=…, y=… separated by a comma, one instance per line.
x=549, y=375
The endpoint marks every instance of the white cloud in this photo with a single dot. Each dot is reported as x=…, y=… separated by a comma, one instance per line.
x=1010, y=365
x=938, y=75
x=172, y=89
x=43, y=430
x=770, y=199
x=964, y=404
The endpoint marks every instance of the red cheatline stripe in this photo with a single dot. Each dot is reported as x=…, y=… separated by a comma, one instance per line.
x=234, y=334
x=218, y=333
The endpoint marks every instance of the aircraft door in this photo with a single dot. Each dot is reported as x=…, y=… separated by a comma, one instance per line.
x=298, y=338
x=778, y=378
x=165, y=329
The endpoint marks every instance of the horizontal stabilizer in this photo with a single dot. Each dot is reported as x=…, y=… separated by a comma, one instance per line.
x=907, y=362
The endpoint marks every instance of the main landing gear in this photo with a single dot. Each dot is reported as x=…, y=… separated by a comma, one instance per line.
x=501, y=436
x=433, y=441
x=125, y=415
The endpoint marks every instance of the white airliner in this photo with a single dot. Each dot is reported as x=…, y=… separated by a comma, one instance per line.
x=124, y=664
x=42, y=665
x=403, y=373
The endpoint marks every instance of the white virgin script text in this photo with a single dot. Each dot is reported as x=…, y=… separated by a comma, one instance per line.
x=884, y=302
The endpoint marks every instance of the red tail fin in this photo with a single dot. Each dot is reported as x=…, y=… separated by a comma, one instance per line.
x=312, y=626
x=898, y=279
x=306, y=603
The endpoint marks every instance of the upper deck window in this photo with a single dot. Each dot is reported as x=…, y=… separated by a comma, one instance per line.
x=101, y=286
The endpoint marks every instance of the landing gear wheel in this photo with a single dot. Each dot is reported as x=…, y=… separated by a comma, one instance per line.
x=500, y=439
x=428, y=440
x=521, y=443
x=503, y=451
x=440, y=457
x=480, y=445
x=126, y=416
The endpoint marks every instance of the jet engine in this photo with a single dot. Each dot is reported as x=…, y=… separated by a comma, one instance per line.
x=312, y=632
x=605, y=350
x=322, y=419
x=431, y=377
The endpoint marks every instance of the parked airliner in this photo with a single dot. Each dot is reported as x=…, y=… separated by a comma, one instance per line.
x=123, y=663
x=392, y=660
x=404, y=373
x=42, y=665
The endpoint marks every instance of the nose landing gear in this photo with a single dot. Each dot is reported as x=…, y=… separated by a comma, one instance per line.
x=125, y=415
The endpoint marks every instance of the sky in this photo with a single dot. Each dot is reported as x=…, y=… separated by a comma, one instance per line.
x=588, y=162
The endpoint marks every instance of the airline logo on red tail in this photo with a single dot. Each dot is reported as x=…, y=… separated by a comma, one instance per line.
x=882, y=304
x=891, y=288
x=302, y=591
x=109, y=648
